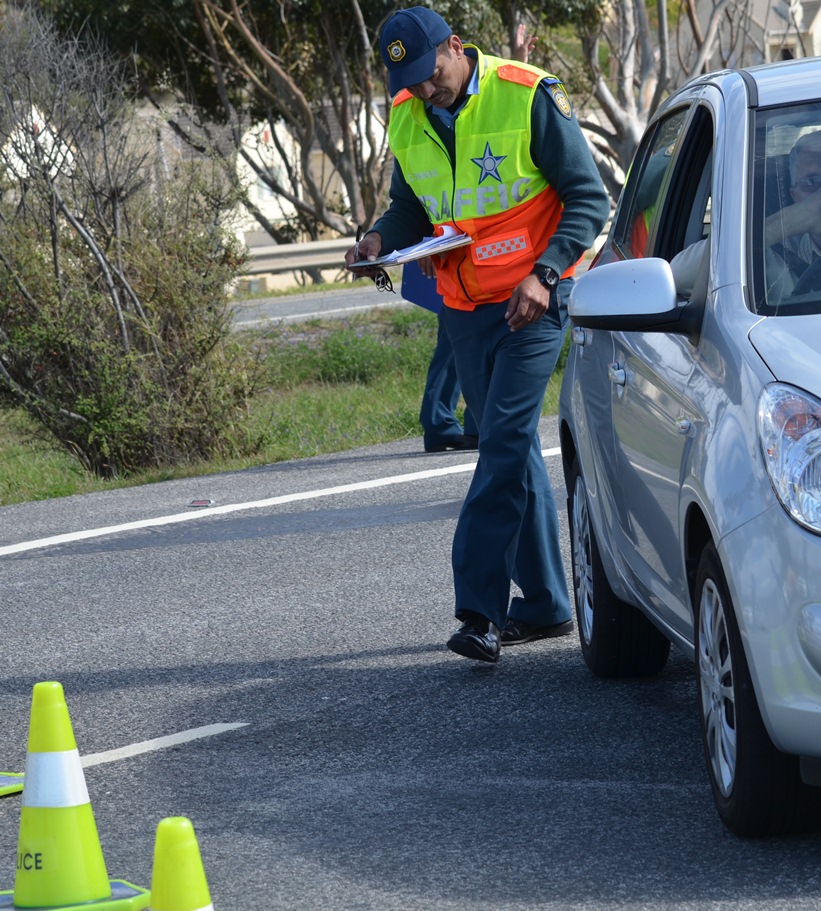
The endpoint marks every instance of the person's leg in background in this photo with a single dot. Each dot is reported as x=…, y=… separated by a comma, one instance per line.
x=437, y=415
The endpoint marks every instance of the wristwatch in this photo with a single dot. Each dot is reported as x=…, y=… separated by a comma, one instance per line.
x=548, y=276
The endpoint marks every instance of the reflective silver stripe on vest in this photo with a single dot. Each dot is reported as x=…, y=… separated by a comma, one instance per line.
x=500, y=247
x=54, y=780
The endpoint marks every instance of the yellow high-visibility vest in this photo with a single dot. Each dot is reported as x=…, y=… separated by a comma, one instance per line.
x=493, y=191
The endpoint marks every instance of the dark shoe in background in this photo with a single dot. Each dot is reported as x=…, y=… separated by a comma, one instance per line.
x=515, y=632
x=453, y=444
x=477, y=638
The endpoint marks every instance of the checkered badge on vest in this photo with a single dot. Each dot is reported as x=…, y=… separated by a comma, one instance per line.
x=487, y=251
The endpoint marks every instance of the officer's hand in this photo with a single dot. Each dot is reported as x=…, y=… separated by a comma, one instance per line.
x=529, y=301
x=427, y=267
x=367, y=248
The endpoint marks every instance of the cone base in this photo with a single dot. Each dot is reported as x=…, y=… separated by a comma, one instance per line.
x=10, y=783
x=124, y=897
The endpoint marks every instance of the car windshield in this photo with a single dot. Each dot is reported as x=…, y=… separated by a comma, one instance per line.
x=786, y=239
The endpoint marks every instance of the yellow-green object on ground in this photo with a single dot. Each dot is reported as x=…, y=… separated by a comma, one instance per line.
x=178, y=878
x=10, y=783
x=59, y=863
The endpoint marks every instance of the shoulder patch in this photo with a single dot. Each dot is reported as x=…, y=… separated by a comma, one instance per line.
x=560, y=99
x=401, y=97
x=512, y=72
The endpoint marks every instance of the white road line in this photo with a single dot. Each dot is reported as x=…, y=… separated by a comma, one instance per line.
x=256, y=321
x=73, y=536
x=159, y=743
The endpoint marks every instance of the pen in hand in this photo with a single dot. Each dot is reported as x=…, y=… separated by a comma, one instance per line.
x=380, y=277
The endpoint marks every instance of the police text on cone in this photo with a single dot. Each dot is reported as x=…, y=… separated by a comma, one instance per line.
x=60, y=862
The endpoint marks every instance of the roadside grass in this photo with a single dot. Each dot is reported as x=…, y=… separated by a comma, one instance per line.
x=329, y=386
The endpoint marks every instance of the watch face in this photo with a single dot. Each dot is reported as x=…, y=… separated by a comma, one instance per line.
x=547, y=276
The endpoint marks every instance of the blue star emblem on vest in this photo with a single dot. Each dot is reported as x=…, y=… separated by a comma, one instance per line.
x=489, y=164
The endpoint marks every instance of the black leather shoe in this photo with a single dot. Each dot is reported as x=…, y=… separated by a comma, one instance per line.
x=453, y=444
x=477, y=638
x=515, y=632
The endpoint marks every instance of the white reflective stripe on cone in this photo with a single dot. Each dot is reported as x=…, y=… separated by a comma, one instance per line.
x=54, y=780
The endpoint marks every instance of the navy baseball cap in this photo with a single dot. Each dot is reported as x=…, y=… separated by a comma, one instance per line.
x=408, y=45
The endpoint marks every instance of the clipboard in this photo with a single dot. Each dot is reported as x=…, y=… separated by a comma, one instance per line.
x=430, y=246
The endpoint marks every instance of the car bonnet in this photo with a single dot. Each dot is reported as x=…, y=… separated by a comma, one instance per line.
x=790, y=346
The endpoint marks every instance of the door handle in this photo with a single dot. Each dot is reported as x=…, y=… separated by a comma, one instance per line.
x=617, y=374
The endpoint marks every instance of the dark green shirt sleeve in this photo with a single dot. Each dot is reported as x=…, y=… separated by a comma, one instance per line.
x=560, y=150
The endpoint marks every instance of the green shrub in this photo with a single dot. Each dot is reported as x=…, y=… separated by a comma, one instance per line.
x=115, y=332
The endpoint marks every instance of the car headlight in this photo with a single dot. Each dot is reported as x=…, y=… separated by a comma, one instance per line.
x=789, y=428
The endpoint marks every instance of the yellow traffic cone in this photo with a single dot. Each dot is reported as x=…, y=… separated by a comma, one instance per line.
x=178, y=879
x=60, y=862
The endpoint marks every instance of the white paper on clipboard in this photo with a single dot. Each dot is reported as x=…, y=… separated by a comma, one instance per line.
x=450, y=239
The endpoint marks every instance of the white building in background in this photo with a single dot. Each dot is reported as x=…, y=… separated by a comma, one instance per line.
x=791, y=28
x=773, y=30
x=266, y=150
x=270, y=151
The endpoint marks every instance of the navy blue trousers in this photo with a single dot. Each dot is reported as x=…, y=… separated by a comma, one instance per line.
x=508, y=526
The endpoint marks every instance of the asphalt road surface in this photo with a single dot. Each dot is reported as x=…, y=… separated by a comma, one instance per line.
x=362, y=766
x=361, y=297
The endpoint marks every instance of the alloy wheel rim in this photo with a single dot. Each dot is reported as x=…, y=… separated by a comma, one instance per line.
x=582, y=562
x=717, y=687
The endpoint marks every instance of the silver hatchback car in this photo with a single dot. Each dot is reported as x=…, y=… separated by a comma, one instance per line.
x=690, y=422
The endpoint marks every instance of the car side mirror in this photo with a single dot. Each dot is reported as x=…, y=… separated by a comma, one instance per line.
x=632, y=295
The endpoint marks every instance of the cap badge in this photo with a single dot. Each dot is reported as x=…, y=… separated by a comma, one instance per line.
x=396, y=51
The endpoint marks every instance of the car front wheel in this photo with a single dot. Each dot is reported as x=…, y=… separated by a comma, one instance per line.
x=757, y=789
x=617, y=640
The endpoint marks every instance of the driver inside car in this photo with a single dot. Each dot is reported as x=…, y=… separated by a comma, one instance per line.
x=793, y=235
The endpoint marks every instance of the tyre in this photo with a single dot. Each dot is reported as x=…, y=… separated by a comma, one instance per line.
x=757, y=789
x=617, y=640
